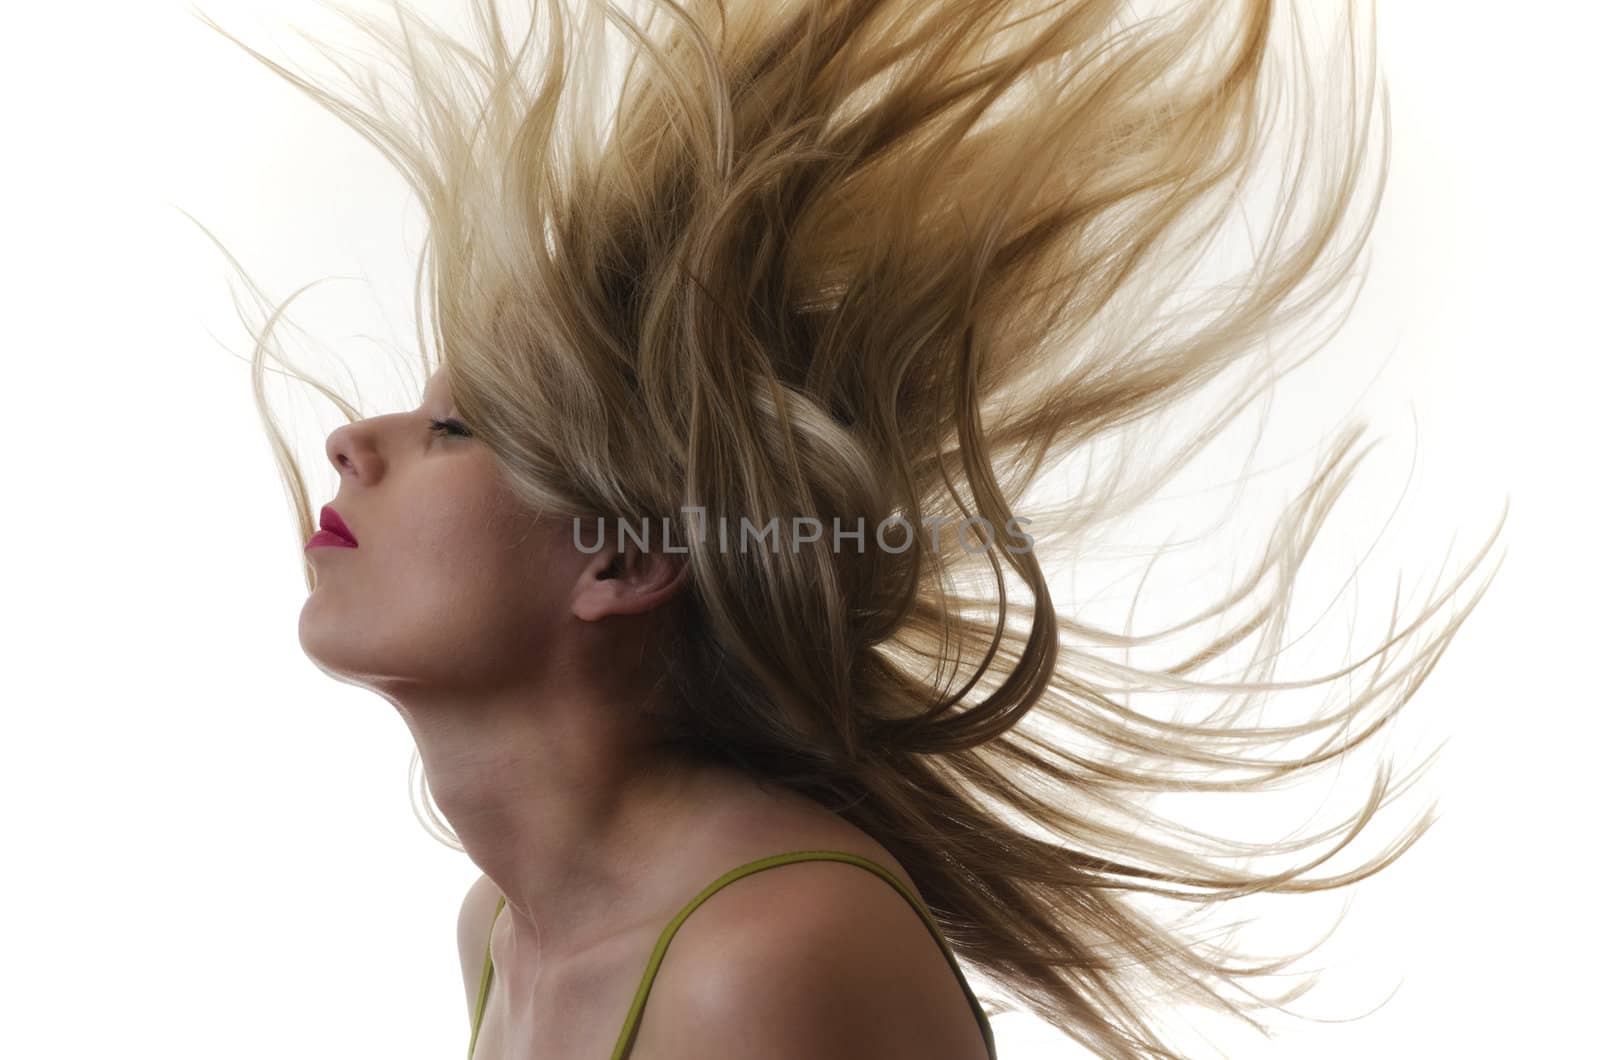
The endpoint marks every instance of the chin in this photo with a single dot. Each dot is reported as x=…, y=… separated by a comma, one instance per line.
x=350, y=650
x=338, y=646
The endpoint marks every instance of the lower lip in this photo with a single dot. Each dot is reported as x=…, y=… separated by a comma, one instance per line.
x=325, y=538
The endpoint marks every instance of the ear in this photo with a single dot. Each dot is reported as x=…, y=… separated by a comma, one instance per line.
x=627, y=582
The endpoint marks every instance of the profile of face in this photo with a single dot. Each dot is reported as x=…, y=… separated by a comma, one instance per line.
x=453, y=583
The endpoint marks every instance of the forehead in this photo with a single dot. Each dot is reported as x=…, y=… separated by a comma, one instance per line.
x=437, y=384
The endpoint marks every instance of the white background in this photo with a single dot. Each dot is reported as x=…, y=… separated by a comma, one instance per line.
x=210, y=847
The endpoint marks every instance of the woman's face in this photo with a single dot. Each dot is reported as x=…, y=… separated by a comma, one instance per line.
x=452, y=582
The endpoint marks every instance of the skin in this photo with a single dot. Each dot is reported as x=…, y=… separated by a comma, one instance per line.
x=520, y=666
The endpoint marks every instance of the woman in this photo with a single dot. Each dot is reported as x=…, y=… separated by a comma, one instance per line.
x=850, y=273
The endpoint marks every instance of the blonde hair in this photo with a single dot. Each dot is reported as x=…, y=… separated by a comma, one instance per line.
x=858, y=259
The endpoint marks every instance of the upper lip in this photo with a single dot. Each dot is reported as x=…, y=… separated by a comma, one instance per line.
x=331, y=522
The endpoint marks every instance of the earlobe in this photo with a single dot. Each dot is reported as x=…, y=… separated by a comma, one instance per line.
x=600, y=598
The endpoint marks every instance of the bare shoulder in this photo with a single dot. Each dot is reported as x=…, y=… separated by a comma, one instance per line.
x=808, y=959
x=472, y=934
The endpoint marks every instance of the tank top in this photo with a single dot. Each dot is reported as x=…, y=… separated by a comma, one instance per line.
x=630, y=1025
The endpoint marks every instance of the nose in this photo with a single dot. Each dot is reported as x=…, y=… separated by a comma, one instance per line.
x=352, y=451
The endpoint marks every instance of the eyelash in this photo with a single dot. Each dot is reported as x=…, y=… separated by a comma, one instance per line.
x=449, y=427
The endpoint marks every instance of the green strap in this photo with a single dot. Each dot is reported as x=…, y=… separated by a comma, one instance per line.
x=483, y=983
x=630, y=1026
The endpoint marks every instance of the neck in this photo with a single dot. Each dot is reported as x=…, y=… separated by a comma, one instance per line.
x=569, y=809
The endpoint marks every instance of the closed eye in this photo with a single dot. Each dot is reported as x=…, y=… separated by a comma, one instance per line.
x=449, y=427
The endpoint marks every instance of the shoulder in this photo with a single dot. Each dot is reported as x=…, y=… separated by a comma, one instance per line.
x=808, y=959
x=472, y=933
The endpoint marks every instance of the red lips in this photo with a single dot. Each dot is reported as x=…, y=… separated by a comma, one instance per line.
x=334, y=533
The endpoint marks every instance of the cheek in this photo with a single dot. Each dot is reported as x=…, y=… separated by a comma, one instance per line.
x=462, y=571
